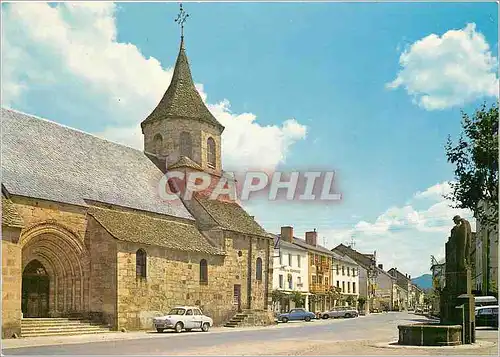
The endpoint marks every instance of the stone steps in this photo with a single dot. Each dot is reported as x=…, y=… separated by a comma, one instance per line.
x=34, y=327
x=249, y=318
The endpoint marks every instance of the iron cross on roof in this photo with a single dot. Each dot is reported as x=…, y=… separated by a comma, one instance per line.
x=181, y=19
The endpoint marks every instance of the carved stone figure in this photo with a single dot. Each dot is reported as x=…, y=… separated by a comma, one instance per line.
x=461, y=239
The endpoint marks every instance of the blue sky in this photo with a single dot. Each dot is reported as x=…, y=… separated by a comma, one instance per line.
x=297, y=85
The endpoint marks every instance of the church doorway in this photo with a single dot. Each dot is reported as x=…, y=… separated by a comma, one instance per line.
x=35, y=290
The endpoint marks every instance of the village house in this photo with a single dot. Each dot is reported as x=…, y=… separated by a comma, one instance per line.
x=375, y=285
x=290, y=272
x=405, y=290
x=486, y=257
x=85, y=232
x=388, y=295
x=345, y=277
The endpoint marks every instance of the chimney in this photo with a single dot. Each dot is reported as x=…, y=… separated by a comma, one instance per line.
x=287, y=234
x=311, y=237
x=381, y=266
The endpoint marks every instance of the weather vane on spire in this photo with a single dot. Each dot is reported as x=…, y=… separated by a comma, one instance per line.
x=181, y=19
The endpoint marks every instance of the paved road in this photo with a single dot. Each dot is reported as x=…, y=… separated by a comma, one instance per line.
x=295, y=338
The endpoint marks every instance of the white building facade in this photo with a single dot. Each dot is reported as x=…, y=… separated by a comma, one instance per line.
x=345, y=276
x=290, y=273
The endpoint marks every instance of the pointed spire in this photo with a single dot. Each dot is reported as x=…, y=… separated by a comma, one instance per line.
x=182, y=100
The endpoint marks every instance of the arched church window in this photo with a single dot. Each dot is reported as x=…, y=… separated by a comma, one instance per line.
x=186, y=145
x=258, y=269
x=140, y=263
x=158, y=144
x=203, y=271
x=211, y=152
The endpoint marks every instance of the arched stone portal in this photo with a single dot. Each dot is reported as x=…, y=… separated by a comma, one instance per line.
x=64, y=259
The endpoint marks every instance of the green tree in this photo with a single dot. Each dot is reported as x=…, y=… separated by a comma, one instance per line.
x=361, y=302
x=476, y=159
x=475, y=156
x=277, y=296
x=334, y=293
x=297, y=298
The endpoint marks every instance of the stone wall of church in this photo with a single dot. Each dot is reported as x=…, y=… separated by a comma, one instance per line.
x=173, y=278
x=11, y=283
x=37, y=211
x=102, y=248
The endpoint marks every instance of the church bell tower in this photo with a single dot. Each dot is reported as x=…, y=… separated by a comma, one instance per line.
x=181, y=131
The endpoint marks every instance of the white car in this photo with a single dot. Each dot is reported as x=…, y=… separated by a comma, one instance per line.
x=183, y=318
x=344, y=311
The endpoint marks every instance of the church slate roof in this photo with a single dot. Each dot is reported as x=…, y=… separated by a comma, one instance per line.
x=143, y=229
x=182, y=100
x=231, y=216
x=185, y=161
x=10, y=216
x=46, y=160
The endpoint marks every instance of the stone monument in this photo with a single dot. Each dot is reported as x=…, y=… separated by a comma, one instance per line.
x=457, y=301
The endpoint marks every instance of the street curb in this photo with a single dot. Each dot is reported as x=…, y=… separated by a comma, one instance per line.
x=394, y=345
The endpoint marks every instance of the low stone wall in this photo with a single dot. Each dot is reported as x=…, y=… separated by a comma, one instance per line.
x=430, y=335
x=258, y=318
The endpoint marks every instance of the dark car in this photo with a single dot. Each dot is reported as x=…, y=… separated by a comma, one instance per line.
x=298, y=314
x=487, y=316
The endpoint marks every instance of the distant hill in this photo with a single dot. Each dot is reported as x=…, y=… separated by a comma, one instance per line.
x=423, y=281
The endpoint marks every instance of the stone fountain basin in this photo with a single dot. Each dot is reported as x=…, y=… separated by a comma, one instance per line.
x=429, y=334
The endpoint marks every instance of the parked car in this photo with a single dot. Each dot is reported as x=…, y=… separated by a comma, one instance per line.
x=487, y=316
x=485, y=301
x=297, y=314
x=337, y=312
x=183, y=318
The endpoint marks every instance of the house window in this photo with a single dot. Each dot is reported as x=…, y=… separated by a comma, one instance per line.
x=314, y=279
x=281, y=281
x=338, y=268
x=290, y=282
x=186, y=145
x=140, y=263
x=203, y=271
x=353, y=272
x=326, y=281
x=343, y=271
x=298, y=261
x=349, y=287
x=258, y=269
x=338, y=284
x=343, y=286
x=211, y=152
x=354, y=288
x=348, y=272
x=289, y=260
x=299, y=281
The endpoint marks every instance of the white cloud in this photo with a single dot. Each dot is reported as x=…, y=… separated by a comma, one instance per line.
x=415, y=234
x=435, y=192
x=75, y=44
x=441, y=72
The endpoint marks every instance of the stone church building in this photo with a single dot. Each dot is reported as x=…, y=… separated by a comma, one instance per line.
x=86, y=234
